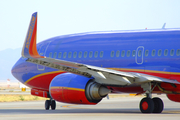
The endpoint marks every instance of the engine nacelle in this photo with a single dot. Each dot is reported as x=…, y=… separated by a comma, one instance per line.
x=76, y=89
x=174, y=97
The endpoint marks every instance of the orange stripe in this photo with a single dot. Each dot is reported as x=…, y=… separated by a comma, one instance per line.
x=68, y=88
x=48, y=73
x=33, y=49
x=33, y=38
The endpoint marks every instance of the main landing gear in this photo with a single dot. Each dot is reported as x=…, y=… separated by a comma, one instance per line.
x=149, y=104
x=51, y=103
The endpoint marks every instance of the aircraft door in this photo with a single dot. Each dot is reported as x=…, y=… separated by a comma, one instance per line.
x=42, y=52
x=139, y=55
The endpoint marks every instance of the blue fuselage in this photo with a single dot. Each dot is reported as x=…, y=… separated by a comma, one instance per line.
x=144, y=51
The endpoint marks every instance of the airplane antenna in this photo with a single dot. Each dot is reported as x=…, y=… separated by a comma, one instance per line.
x=163, y=27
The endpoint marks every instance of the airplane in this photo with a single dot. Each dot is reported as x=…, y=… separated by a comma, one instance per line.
x=84, y=68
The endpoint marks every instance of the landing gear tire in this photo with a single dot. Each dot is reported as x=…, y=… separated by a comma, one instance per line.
x=53, y=105
x=146, y=105
x=158, y=105
x=47, y=104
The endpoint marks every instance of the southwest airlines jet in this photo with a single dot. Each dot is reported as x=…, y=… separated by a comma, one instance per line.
x=84, y=68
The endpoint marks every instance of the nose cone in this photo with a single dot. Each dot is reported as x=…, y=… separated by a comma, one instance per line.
x=17, y=68
x=14, y=69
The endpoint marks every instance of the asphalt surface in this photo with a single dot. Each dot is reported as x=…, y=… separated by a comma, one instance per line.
x=119, y=108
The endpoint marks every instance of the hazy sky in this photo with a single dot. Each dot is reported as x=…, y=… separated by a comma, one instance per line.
x=60, y=17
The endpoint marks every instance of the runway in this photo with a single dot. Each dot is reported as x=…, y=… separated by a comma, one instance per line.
x=124, y=108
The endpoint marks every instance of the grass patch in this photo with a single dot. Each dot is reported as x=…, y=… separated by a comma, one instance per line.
x=21, y=98
x=13, y=98
x=11, y=90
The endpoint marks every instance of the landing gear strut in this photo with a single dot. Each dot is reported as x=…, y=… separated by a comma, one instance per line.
x=149, y=105
x=51, y=103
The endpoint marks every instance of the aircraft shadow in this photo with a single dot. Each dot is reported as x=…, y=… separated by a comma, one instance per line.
x=78, y=111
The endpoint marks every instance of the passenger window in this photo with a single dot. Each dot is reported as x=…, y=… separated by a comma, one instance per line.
x=64, y=55
x=178, y=52
x=101, y=54
x=123, y=53
x=159, y=52
x=70, y=54
x=153, y=52
x=117, y=53
x=80, y=54
x=165, y=52
x=90, y=54
x=128, y=53
x=112, y=53
x=75, y=54
x=146, y=52
x=85, y=54
x=50, y=54
x=96, y=54
x=59, y=55
x=55, y=54
x=172, y=52
x=133, y=53
x=139, y=53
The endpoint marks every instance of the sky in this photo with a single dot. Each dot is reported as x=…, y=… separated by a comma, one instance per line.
x=61, y=17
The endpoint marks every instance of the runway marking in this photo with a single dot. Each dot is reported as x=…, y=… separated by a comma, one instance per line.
x=70, y=106
x=67, y=106
x=171, y=112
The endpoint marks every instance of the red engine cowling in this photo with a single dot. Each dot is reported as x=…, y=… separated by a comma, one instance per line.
x=174, y=97
x=76, y=89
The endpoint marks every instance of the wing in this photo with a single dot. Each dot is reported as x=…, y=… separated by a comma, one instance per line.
x=101, y=75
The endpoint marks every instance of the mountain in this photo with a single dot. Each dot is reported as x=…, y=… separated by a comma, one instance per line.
x=8, y=58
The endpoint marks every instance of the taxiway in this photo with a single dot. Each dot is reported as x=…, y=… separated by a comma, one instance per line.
x=120, y=108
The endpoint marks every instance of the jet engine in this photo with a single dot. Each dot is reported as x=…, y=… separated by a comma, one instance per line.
x=174, y=97
x=72, y=88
